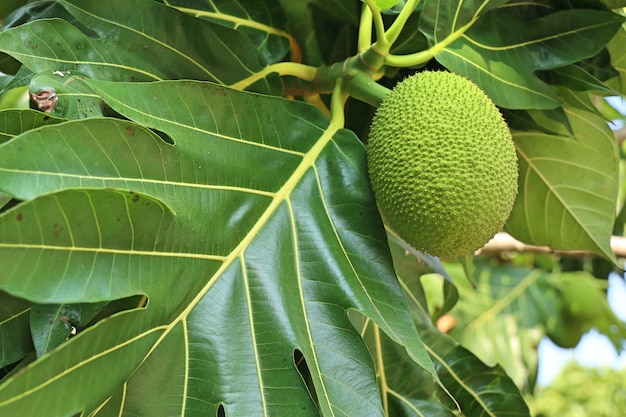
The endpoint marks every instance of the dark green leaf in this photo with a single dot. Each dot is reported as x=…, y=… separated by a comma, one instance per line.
x=480, y=390
x=440, y=19
x=408, y=389
x=576, y=78
x=53, y=324
x=7, y=6
x=15, y=340
x=263, y=21
x=127, y=46
x=500, y=52
x=49, y=327
x=14, y=122
x=270, y=178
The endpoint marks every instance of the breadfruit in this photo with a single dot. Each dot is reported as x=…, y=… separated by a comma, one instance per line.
x=442, y=164
x=566, y=334
x=582, y=299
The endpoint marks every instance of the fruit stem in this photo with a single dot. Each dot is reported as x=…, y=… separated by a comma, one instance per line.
x=362, y=87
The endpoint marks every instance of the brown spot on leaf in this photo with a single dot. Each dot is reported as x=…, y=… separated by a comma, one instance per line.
x=130, y=131
x=19, y=217
x=135, y=198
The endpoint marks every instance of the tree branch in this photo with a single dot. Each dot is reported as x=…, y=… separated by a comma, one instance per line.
x=503, y=242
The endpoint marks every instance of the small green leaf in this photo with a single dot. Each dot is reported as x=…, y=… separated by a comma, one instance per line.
x=385, y=4
x=59, y=93
x=53, y=324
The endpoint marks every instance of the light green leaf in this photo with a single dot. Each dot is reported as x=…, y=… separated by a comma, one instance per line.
x=568, y=186
x=502, y=319
x=385, y=4
x=478, y=389
x=265, y=254
x=617, y=50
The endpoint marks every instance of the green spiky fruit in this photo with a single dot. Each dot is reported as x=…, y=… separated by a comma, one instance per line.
x=442, y=164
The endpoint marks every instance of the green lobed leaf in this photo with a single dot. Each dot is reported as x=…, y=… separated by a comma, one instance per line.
x=271, y=255
x=568, y=186
x=500, y=52
x=149, y=33
x=263, y=21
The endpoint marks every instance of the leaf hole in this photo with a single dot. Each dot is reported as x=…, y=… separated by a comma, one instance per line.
x=304, y=371
x=166, y=138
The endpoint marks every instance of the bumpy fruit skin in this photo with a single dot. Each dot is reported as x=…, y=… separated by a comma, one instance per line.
x=442, y=164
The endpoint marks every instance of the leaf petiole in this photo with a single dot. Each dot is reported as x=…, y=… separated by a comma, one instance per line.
x=391, y=35
x=301, y=71
x=337, y=103
x=418, y=58
x=364, y=40
x=381, y=39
